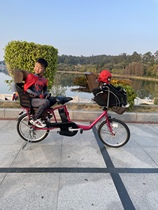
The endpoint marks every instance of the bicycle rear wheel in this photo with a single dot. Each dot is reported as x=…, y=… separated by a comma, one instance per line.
x=119, y=135
x=27, y=132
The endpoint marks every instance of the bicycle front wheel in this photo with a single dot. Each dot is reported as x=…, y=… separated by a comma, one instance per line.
x=27, y=132
x=115, y=135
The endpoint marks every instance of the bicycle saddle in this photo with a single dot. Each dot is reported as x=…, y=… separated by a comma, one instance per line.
x=63, y=99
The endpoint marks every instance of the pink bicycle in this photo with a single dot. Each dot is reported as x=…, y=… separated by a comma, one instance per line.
x=111, y=131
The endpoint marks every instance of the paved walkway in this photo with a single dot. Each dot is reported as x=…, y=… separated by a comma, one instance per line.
x=79, y=173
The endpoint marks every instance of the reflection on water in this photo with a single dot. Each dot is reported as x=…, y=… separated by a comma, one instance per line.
x=143, y=88
x=63, y=85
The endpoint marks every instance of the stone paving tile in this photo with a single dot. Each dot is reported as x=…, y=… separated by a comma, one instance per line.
x=63, y=173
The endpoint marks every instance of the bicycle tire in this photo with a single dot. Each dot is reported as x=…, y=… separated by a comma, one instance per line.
x=27, y=132
x=120, y=135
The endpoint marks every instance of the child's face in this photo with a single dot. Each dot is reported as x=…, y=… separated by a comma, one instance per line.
x=39, y=69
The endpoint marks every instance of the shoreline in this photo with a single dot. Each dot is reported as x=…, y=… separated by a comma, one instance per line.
x=114, y=75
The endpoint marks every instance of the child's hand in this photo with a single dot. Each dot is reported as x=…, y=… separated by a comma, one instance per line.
x=41, y=96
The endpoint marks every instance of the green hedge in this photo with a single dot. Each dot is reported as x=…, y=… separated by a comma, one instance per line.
x=22, y=55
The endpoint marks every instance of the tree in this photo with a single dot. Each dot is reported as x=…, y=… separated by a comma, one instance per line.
x=22, y=55
x=148, y=58
x=135, y=57
x=135, y=68
x=156, y=56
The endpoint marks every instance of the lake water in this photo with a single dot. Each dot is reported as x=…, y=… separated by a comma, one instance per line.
x=63, y=85
x=4, y=88
x=143, y=88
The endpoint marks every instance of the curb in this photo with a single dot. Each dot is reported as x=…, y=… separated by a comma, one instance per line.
x=83, y=115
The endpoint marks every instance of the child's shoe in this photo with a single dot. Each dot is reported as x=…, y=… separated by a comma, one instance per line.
x=38, y=123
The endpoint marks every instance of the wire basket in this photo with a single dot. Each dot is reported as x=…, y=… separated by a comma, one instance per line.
x=118, y=110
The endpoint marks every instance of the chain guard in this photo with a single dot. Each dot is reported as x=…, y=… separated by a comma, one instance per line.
x=64, y=129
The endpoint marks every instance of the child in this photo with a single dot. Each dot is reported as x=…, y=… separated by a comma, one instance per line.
x=36, y=86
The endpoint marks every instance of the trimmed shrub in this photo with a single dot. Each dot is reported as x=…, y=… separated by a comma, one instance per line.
x=22, y=55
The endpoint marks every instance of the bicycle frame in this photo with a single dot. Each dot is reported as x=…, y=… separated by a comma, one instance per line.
x=111, y=131
x=52, y=110
x=88, y=127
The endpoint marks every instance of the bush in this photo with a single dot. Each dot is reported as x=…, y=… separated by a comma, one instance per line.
x=156, y=101
x=22, y=55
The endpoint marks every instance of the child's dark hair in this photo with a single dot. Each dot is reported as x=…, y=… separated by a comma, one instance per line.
x=42, y=61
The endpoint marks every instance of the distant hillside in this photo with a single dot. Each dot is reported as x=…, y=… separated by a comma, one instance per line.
x=135, y=64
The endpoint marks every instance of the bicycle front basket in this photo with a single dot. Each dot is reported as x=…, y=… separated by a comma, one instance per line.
x=118, y=110
x=101, y=97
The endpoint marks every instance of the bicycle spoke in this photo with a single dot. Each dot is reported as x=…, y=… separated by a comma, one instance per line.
x=27, y=132
x=119, y=135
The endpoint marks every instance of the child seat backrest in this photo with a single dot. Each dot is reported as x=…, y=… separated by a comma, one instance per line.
x=92, y=80
x=20, y=76
x=19, y=79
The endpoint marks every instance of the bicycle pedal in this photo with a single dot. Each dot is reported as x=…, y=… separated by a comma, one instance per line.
x=81, y=131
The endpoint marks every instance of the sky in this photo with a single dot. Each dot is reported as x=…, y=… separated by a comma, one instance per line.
x=82, y=27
